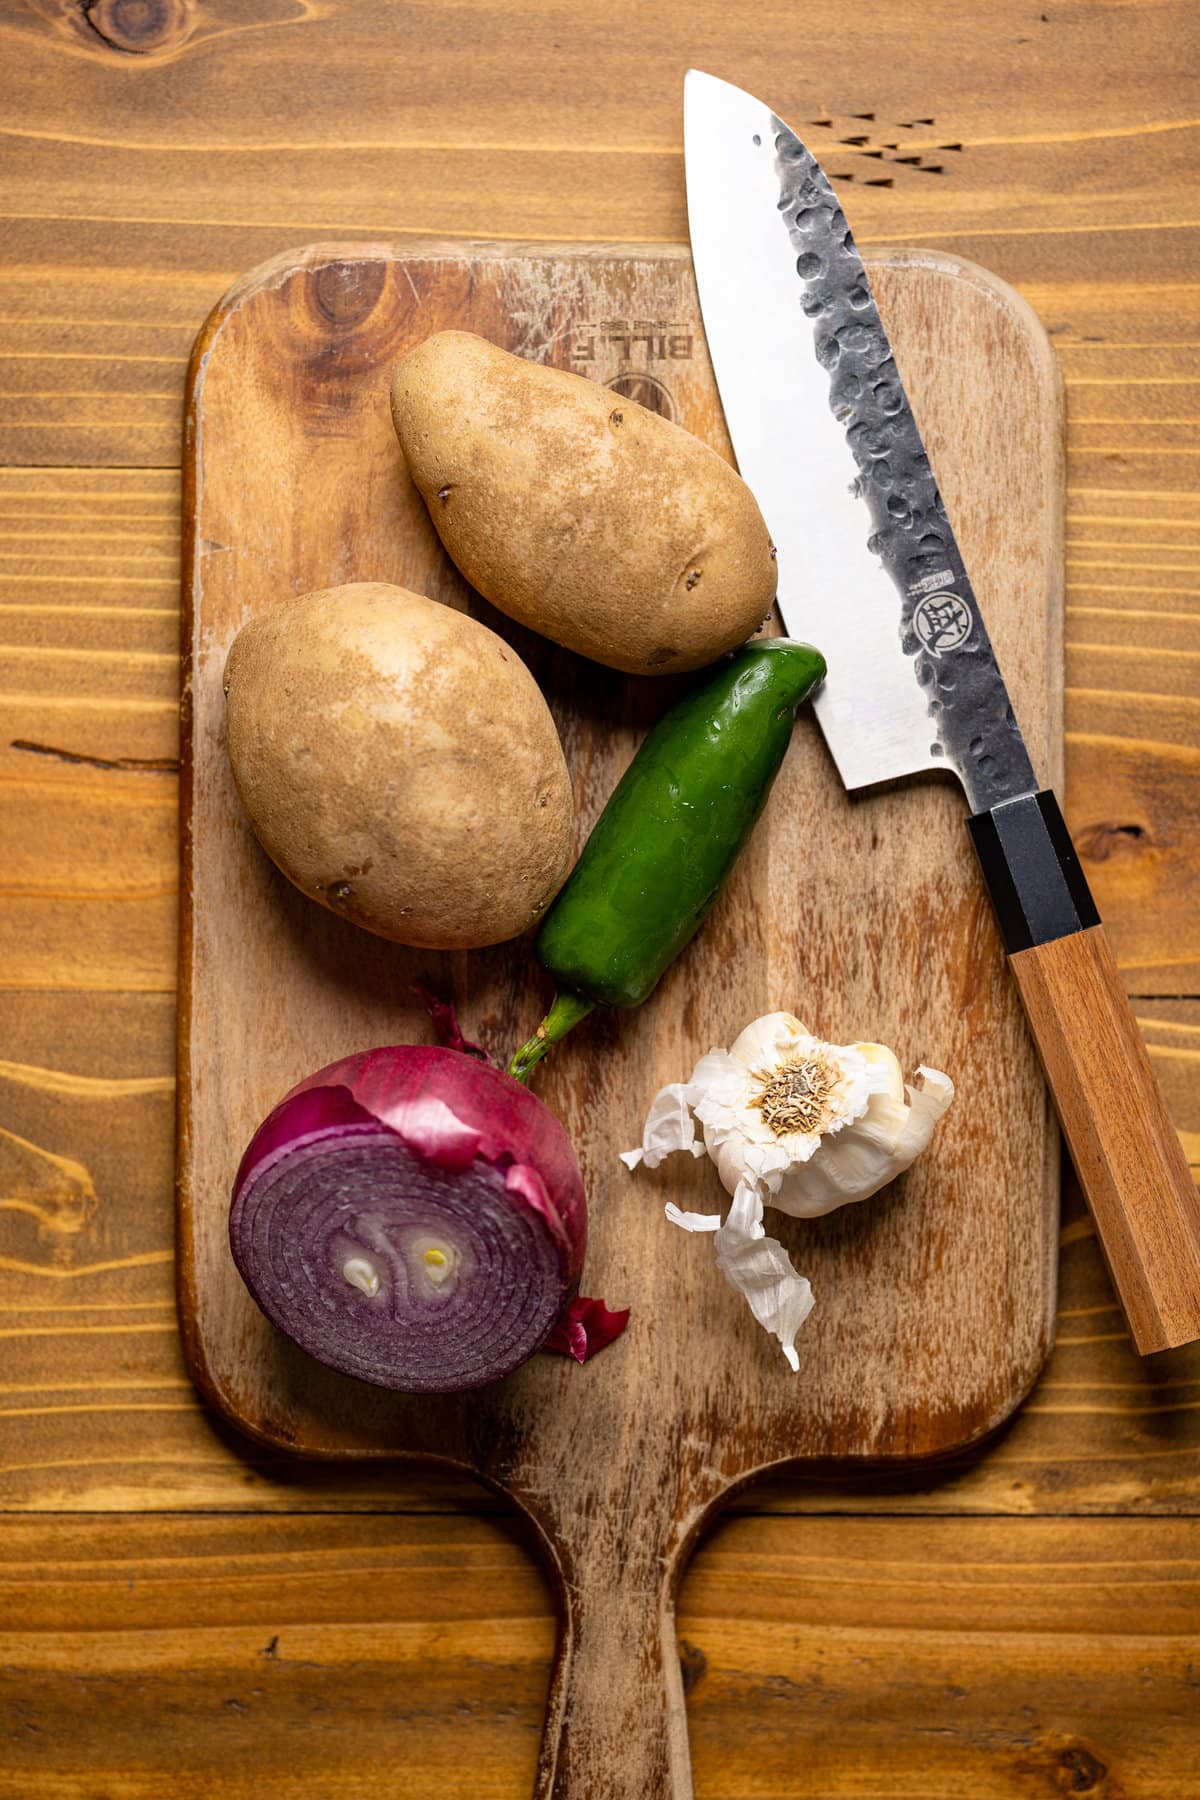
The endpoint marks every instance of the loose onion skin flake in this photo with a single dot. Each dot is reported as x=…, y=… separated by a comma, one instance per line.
x=413, y=1217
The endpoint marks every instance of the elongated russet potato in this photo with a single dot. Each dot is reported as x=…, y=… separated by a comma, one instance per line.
x=398, y=762
x=579, y=513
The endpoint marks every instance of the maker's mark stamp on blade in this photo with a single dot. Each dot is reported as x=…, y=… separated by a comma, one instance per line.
x=942, y=622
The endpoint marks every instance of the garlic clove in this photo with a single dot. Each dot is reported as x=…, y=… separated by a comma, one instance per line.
x=888, y=1063
x=738, y=1156
x=793, y=1122
x=926, y=1103
x=872, y=1153
x=768, y=1040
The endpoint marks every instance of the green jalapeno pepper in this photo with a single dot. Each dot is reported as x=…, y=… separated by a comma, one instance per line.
x=669, y=836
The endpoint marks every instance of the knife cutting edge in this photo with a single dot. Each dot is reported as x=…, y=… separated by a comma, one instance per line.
x=869, y=569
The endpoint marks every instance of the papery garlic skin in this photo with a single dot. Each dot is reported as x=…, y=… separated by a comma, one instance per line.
x=869, y=1129
x=796, y=1123
x=756, y=1265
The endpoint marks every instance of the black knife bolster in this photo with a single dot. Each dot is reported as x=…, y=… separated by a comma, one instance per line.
x=1032, y=872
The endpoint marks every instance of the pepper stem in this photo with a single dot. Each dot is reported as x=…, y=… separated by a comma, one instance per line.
x=567, y=1010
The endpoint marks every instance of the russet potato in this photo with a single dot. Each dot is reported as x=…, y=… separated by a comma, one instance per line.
x=579, y=513
x=397, y=761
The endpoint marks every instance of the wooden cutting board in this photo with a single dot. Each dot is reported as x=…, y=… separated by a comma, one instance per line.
x=864, y=916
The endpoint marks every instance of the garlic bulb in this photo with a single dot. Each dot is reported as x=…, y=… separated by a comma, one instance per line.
x=792, y=1122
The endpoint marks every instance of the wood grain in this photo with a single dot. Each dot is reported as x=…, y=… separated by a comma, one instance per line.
x=935, y=1308
x=968, y=1658
x=304, y=1658
x=79, y=1429
x=99, y=1412
x=156, y=176
x=109, y=275
x=354, y=1657
x=1081, y=190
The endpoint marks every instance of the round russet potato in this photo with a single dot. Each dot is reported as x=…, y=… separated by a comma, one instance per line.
x=583, y=515
x=398, y=762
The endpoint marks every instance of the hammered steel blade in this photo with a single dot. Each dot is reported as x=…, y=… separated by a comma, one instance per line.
x=823, y=432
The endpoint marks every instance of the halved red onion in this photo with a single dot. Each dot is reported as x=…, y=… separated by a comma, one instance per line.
x=413, y=1217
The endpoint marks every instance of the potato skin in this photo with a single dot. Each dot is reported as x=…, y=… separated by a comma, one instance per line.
x=579, y=513
x=397, y=761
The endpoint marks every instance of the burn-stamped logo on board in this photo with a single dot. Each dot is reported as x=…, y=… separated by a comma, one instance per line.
x=942, y=622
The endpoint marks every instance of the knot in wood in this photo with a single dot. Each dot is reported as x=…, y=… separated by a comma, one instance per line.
x=139, y=27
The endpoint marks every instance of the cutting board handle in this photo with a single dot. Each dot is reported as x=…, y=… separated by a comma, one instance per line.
x=616, y=1724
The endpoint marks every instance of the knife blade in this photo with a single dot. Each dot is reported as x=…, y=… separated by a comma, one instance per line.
x=871, y=571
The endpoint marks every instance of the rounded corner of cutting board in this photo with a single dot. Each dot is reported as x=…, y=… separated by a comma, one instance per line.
x=1004, y=1409
x=594, y=287
x=1004, y=297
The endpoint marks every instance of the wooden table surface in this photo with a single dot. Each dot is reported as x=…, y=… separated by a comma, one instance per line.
x=183, y=1613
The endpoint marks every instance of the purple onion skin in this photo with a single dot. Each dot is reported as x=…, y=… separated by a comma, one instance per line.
x=365, y=1162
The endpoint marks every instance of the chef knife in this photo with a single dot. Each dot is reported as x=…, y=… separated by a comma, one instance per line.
x=869, y=569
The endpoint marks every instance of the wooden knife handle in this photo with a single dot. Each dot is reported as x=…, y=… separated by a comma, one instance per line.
x=1125, y=1148
x=616, y=1724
